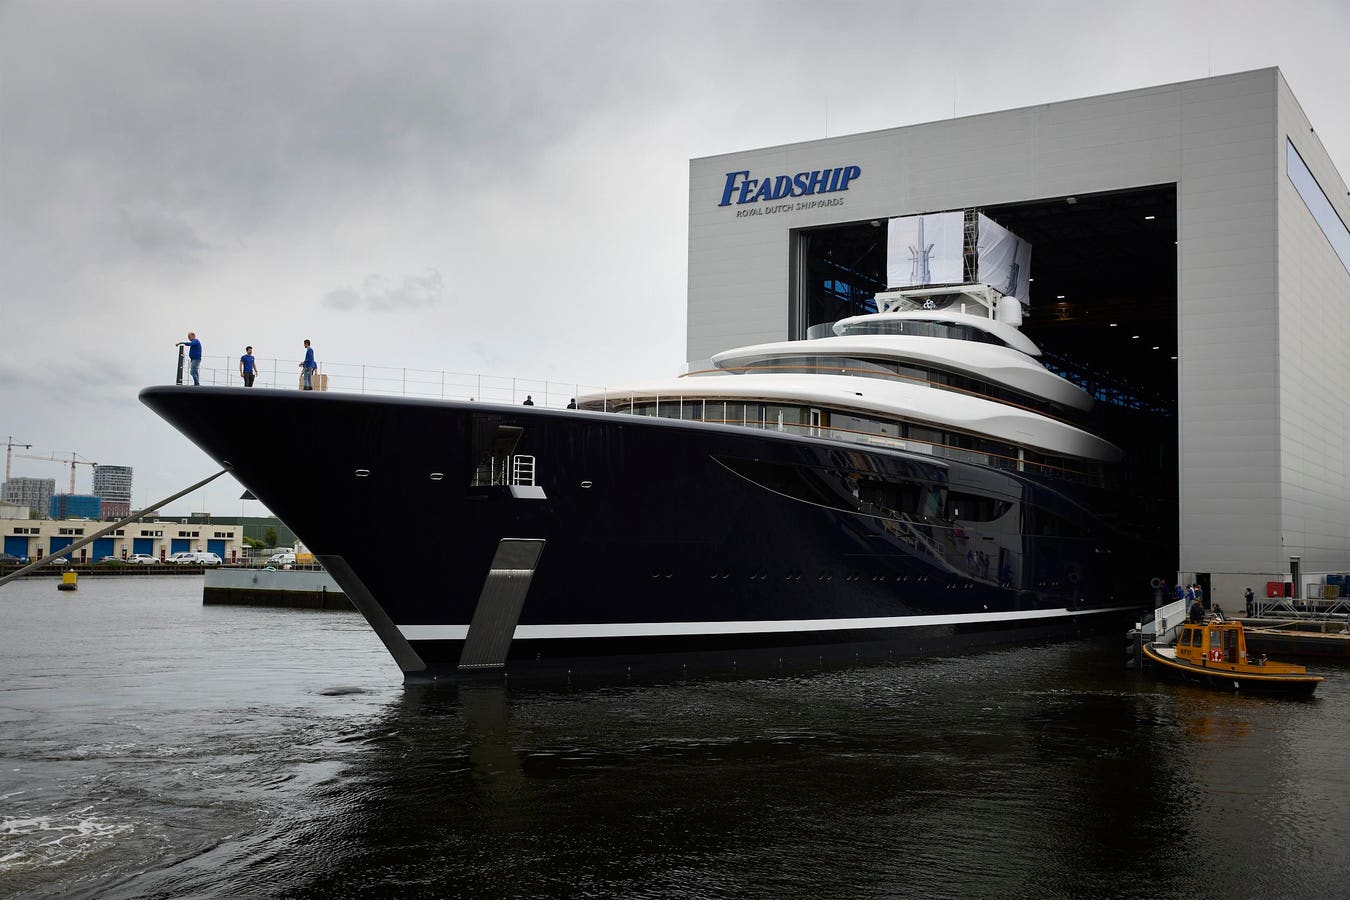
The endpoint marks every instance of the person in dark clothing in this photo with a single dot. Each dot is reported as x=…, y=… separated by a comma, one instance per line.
x=194, y=355
x=1251, y=599
x=1197, y=616
x=572, y=404
x=529, y=401
x=308, y=367
x=248, y=367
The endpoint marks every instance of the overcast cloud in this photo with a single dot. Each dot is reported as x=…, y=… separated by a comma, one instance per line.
x=480, y=188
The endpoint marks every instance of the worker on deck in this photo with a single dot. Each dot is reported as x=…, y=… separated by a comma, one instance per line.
x=1197, y=614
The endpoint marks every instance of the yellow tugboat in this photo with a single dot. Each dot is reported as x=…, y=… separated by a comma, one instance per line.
x=1215, y=654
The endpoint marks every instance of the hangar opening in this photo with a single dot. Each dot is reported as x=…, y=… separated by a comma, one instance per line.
x=1103, y=310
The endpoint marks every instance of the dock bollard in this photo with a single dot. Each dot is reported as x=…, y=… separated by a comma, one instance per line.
x=67, y=581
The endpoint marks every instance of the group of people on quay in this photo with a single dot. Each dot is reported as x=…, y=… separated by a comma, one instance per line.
x=248, y=363
x=1195, y=595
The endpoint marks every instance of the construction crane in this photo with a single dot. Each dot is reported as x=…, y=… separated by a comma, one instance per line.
x=9, y=453
x=74, y=458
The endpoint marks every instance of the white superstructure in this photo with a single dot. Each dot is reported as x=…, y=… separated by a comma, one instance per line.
x=934, y=380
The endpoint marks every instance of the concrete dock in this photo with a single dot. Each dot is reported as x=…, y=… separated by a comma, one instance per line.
x=289, y=588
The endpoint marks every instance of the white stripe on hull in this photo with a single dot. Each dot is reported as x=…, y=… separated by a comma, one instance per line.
x=663, y=629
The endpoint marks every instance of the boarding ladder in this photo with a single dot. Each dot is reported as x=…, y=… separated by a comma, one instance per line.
x=516, y=469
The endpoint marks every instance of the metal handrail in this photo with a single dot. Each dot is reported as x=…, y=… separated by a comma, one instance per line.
x=362, y=378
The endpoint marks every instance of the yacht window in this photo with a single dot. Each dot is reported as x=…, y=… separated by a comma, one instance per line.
x=974, y=508
x=893, y=496
x=921, y=328
x=927, y=435
x=799, y=482
x=844, y=489
x=1042, y=522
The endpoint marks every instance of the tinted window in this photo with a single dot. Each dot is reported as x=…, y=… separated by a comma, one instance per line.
x=975, y=508
x=846, y=490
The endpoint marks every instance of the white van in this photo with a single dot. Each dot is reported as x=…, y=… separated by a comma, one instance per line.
x=195, y=558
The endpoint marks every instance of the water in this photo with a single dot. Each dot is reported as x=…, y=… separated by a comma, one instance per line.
x=153, y=747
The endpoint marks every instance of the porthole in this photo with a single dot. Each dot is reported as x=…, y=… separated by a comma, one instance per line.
x=437, y=476
x=362, y=473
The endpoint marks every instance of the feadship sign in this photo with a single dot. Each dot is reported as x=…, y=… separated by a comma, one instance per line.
x=742, y=190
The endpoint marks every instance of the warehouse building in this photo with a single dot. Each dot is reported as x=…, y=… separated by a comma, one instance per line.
x=36, y=538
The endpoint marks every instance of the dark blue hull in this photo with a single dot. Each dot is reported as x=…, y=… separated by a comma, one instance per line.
x=651, y=542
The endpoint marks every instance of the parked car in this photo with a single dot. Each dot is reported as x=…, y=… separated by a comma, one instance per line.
x=195, y=558
x=142, y=559
x=281, y=560
x=109, y=559
x=9, y=559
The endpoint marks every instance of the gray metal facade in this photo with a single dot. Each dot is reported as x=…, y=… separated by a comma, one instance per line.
x=30, y=493
x=1263, y=307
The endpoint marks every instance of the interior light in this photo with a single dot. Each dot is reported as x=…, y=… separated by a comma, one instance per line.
x=1059, y=296
x=1149, y=218
x=1134, y=337
x=1113, y=324
x=1157, y=348
x=1174, y=357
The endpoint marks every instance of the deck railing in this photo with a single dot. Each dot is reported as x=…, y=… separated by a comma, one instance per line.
x=361, y=378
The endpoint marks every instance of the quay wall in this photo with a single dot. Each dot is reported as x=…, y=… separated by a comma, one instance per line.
x=289, y=588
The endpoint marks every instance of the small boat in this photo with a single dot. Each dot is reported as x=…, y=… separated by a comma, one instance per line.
x=1215, y=654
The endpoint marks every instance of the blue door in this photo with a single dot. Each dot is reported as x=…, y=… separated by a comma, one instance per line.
x=216, y=547
x=57, y=544
x=102, y=547
x=143, y=545
x=180, y=545
x=16, y=546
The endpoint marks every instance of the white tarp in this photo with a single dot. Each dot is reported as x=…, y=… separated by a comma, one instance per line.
x=923, y=250
x=1004, y=260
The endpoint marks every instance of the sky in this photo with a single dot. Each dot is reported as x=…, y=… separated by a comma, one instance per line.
x=495, y=189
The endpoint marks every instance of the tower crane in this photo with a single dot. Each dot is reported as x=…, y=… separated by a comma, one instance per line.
x=9, y=453
x=74, y=458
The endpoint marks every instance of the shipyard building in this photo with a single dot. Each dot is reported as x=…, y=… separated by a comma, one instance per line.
x=1189, y=266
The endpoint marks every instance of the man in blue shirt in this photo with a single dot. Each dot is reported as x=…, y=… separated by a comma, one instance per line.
x=309, y=365
x=194, y=354
x=248, y=367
